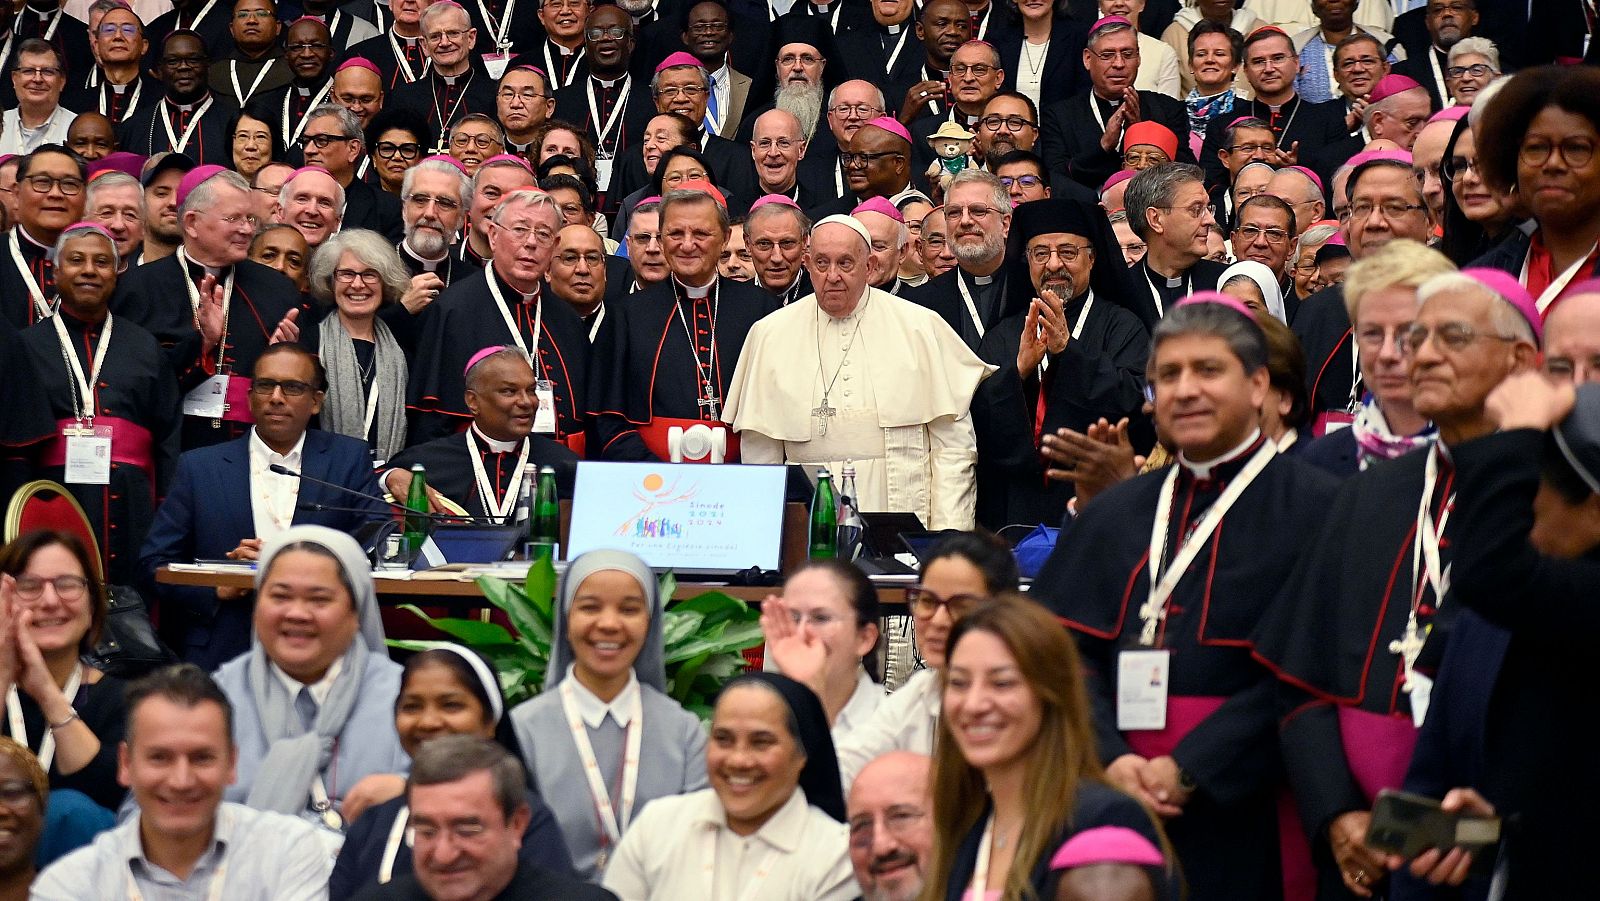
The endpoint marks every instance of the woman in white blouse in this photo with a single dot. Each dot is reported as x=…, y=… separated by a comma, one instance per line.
x=833, y=602
x=770, y=827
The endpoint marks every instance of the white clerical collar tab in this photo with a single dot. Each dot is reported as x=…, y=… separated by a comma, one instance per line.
x=1175, y=282
x=695, y=292
x=499, y=447
x=894, y=29
x=1203, y=470
x=982, y=279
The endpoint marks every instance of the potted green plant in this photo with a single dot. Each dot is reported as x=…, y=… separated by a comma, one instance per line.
x=705, y=637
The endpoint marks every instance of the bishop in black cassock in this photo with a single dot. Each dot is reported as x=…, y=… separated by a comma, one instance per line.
x=441, y=100
x=1099, y=373
x=26, y=289
x=1220, y=716
x=652, y=357
x=189, y=118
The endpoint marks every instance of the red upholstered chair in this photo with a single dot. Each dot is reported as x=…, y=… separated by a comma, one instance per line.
x=44, y=504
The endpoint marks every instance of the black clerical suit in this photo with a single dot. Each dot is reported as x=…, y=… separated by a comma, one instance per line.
x=136, y=396
x=370, y=208
x=1163, y=293
x=467, y=318
x=1427, y=69
x=731, y=167
x=1333, y=375
x=381, y=50
x=948, y=294
x=91, y=93
x=441, y=101
x=1221, y=718
x=157, y=296
x=448, y=461
x=18, y=302
x=890, y=57
x=146, y=132
x=208, y=18
x=1319, y=129
x=287, y=108
x=1347, y=717
x=573, y=104
x=645, y=368
x=1070, y=131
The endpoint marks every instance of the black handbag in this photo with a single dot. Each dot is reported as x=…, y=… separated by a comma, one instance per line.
x=128, y=646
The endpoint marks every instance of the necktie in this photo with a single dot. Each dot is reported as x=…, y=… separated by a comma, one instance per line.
x=713, y=108
x=306, y=706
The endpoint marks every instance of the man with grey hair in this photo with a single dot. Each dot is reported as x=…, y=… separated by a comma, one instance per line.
x=850, y=106
x=903, y=418
x=333, y=139
x=456, y=83
x=661, y=359
x=38, y=76
x=972, y=297
x=1169, y=210
x=493, y=180
x=803, y=48
x=1398, y=111
x=212, y=309
x=115, y=200
x=508, y=303
x=778, y=148
x=890, y=815
x=460, y=778
x=313, y=203
x=776, y=232
x=433, y=197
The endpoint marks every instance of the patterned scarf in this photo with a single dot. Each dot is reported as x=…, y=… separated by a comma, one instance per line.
x=1203, y=109
x=1375, y=439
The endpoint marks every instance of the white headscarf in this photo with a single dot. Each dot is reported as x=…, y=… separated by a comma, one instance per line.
x=1271, y=293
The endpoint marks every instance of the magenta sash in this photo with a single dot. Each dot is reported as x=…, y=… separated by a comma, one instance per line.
x=238, y=400
x=1331, y=421
x=1378, y=748
x=1183, y=715
x=131, y=444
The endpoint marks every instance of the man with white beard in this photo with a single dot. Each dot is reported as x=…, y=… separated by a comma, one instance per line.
x=804, y=44
x=434, y=199
x=972, y=297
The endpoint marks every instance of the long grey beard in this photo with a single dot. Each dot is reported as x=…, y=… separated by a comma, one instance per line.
x=428, y=243
x=804, y=102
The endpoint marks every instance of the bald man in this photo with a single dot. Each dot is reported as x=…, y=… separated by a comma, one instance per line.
x=891, y=826
x=1572, y=336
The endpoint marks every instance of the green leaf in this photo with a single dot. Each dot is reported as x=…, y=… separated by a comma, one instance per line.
x=668, y=586
x=471, y=632
x=540, y=587
x=678, y=627
x=509, y=597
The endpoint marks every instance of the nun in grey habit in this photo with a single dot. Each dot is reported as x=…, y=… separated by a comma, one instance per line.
x=588, y=801
x=286, y=765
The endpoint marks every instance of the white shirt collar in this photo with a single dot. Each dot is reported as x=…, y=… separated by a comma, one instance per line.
x=499, y=447
x=319, y=688
x=783, y=831
x=1202, y=470
x=593, y=710
x=696, y=293
x=263, y=455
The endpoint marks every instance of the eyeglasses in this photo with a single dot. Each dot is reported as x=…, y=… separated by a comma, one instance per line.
x=257, y=15
x=1576, y=151
x=38, y=72
x=112, y=29
x=1026, y=181
x=482, y=142
x=925, y=603
x=1251, y=232
x=1134, y=248
x=691, y=91
x=1067, y=252
x=184, y=62
x=1457, y=166
x=68, y=588
x=1372, y=337
x=523, y=232
x=1358, y=62
x=783, y=144
x=707, y=28
x=804, y=59
x=613, y=32
x=468, y=832
x=976, y=70
x=1011, y=123
x=899, y=820
x=1251, y=149
x=1196, y=210
x=321, y=141
x=976, y=211
x=766, y=245
x=644, y=239
x=351, y=276
x=1276, y=59
x=18, y=793
x=389, y=150
x=855, y=111
x=1448, y=336
x=934, y=240
x=308, y=46
x=1476, y=70
x=1392, y=209
x=572, y=258
x=447, y=204
x=1111, y=56
x=70, y=185
x=527, y=95
x=1136, y=158
x=850, y=158
x=451, y=34
x=291, y=387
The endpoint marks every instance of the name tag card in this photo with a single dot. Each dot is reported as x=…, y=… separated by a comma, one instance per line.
x=602, y=173
x=496, y=64
x=1142, y=689
x=544, y=419
x=1420, y=695
x=88, y=455
x=208, y=399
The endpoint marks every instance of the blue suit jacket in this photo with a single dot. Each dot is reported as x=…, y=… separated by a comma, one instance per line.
x=207, y=513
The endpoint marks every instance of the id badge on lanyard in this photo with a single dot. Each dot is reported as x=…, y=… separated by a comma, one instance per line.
x=1142, y=684
x=208, y=399
x=88, y=454
x=602, y=172
x=544, y=419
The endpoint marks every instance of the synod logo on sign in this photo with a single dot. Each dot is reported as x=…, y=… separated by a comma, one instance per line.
x=655, y=519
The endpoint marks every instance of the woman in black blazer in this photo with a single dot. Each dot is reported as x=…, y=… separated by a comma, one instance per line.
x=1053, y=54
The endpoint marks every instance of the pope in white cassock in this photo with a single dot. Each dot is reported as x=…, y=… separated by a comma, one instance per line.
x=855, y=373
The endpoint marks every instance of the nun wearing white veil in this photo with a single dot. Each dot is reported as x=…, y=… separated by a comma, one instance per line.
x=1255, y=285
x=605, y=738
x=314, y=696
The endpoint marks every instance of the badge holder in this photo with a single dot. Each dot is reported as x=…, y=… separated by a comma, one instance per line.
x=88, y=454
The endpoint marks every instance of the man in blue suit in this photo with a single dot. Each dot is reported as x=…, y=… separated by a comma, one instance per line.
x=224, y=500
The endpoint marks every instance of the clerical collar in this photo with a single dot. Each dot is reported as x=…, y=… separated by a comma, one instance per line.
x=1175, y=282
x=303, y=92
x=427, y=264
x=512, y=289
x=199, y=270
x=982, y=279
x=38, y=246
x=894, y=29
x=180, y=107
x=499, y=447
x=695, y=292
x=608, y=82
x=820, y=9
x=448, y=79
x=1203, y=470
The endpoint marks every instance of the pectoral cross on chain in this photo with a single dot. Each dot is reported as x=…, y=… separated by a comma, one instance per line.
x=1152, y=616
x=711, y=403
x=823, y=413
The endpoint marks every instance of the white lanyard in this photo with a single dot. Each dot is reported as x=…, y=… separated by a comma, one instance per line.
x=238, y=91
x=1098, y=118
x=1425, y=549
x=599, y=317
x=838, y=178
x=34, y=291
x=972, y=308
x=391, y=848
x=1162, y=583
x=55, y=22
x=449, y=110
x=106, y=90
x=1083, y=315
x=212, y=894
x=290, y=137
x=511, y=324
x=616, y=111
x=83, y=397
x=708, y=856
x=613, y=821
x=194, y=302
x=1155, y=293
x=1438, y=78
x=498, y=29
x=500, y=509
x=1560, y=284
x=372, y=399
x=198, y=17
x=19, y=729
x=173, y=141
x=550, y=63
x=899, y=45
x=1355, y=377
x=980, y=871
x=403, y=64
